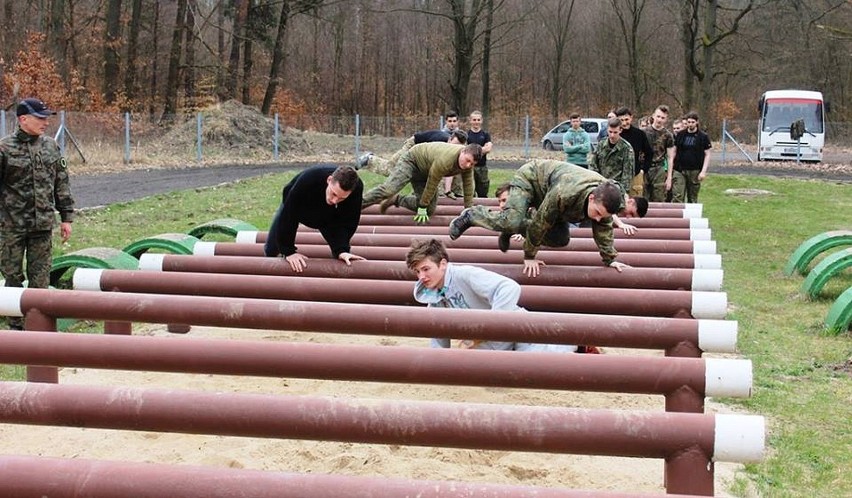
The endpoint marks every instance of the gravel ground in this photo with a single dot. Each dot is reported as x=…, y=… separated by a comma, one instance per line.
x=92, y=190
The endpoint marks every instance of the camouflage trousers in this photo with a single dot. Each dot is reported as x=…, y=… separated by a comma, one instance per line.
x=384, y=167
x=685, y=185
x=515, y=218
x=404, y=172
x=637, y=185
x=38, y=249
x=481, y=181
x=655, y=184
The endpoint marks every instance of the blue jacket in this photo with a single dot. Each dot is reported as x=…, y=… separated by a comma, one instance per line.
x=577, y=146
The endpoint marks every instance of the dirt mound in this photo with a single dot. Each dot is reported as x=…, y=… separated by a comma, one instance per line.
x=232, y=127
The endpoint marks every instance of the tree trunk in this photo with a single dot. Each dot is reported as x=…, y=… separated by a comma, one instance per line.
x=240, y=14
x=464, y=33
x=277, y=58
x=189, y=51
x=155, y=66
x=112, y=41
x=170, y=103
x=688, y=32
x=220, y=46
x=130, y=73
x=56, y=36
x=486, y=62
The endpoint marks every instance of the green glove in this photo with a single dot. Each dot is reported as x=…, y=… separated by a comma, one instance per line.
x=422, y=216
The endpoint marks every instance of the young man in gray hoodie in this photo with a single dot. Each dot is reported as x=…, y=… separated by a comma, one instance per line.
x=441, y=284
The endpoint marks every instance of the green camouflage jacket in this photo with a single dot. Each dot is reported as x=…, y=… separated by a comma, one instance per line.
x=614, y=162
x=33, y=183
x=559, y=192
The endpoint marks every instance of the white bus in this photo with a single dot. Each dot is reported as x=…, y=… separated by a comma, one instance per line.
x=778, y=110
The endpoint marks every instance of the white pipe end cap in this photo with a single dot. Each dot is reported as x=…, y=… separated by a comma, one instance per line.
x=152, y=261
x=709, y=304
x=699, y=223
x=739, y=438
x=717, y=336
x=87, y=279
x=728, y=377
x=10, y=301
x=703, y=246
x=700, y=261
x=246, y=237
x=707, y=280
x=204, y=249
x=700, y=234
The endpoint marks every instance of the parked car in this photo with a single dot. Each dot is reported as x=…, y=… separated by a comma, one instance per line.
x=552, y=140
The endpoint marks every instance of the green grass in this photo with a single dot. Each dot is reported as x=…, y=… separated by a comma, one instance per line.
x=798, y=386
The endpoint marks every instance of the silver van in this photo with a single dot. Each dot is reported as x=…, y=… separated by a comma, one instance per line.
x=552, y=140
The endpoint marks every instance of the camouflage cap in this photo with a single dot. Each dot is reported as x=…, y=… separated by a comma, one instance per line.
x=35, y=107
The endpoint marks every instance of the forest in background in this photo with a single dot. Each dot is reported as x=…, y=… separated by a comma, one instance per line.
x=425, y=57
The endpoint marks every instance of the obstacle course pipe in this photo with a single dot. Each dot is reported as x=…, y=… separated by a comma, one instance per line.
x=458, y=367
x=575, y=276
x=569, y=258
x=252, y=236
x=679, y=337
x=73, y=478
x=448, y=210
x=637, y=302
x=382, y=219
x=485, y=242
x=698, y=439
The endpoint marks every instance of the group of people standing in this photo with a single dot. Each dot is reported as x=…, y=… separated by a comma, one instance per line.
x=654, y=162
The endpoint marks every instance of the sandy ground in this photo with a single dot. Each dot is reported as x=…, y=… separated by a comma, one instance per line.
x=582, y=472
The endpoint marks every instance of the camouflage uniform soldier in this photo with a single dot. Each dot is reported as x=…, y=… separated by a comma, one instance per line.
x=384, y=167
x=424, y=166
x=613, y=158
x=33, y=185
x=561, y=193
x=662, y=141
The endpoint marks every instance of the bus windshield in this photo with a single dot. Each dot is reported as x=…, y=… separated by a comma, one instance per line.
x=780, y=114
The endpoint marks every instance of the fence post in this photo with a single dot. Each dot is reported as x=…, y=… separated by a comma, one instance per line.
x=62, y=132
x=198, y=137
x=527, y=137
x=3, y=123
x=275, y=139
x=126, y=138
x=357, y=136
x=724, y=142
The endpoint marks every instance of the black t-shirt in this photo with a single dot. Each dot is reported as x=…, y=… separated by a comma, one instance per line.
x=689, y=150
x=480, y=137
x=643, y=153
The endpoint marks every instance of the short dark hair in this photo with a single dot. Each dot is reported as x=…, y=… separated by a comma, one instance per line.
x=474, y=150
x=641, y=205
x=609, y=194
x=623, y=111
x=346, y=177
x=574, y=115
x=432, y=249
x=460, y=135
x=613, y=123
x=502, y=188
x=451, y=114
x=663, y=108
x=691, y=115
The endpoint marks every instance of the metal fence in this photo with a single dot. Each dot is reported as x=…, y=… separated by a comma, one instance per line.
x=741, y=138
x=242, y=135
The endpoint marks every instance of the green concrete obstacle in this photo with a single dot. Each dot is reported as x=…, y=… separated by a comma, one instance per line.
x=827, y=268
x=105, y=258
x=226, y=226
x=173, y=243
x=813, y=247
x=839, y=318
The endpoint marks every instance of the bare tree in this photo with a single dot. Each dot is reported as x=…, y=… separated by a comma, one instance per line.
x=131, y=73
x=189, y=52
x=629, y=13
x=112, y=42
x=172, y=78
x=557, y=24
x=233, y=74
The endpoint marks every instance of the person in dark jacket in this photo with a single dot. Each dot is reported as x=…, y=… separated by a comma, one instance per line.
x=324, y=197
x=642, y=150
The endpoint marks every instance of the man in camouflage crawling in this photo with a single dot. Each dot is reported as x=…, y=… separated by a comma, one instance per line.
x=384, y=167
x=561, y=193
x=33, y=186
x=424, y=166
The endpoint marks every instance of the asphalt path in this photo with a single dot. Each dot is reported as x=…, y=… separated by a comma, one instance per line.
x=93, y=190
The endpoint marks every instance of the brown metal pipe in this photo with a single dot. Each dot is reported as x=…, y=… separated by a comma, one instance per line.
x=569, y=258
x=416, y=423
x=487, y=325
x=575, y=276
x=24, y=476
x=492, y=201
x=613, y=301
x=490, y=242
x=444, y=220
x=454, y=210
x=419, y=365
x=437, y=230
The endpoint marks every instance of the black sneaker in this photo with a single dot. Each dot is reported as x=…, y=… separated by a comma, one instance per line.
x=363, y=160
x=503, y=241
x=461, y=223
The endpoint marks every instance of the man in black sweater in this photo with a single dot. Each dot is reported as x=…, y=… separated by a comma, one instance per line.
x=642, y=150
x=324, y=197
